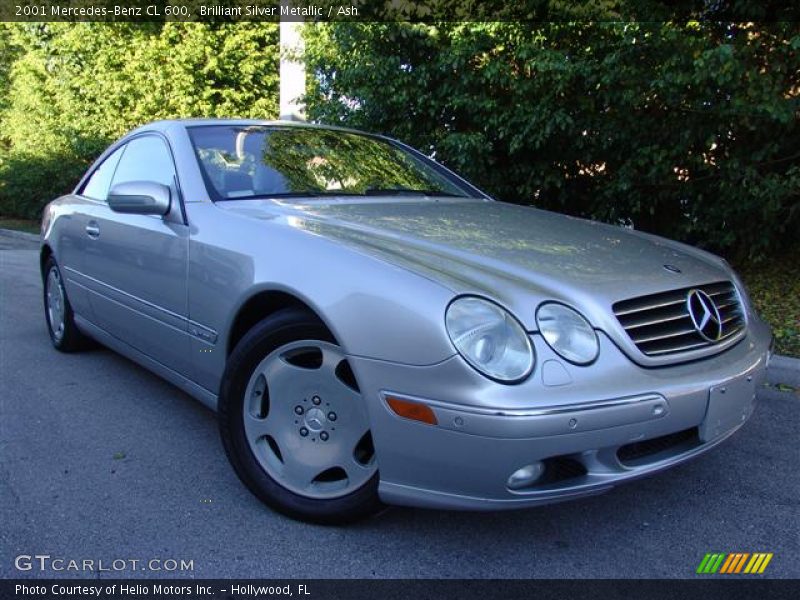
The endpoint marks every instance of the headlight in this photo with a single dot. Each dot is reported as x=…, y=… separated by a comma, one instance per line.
x=489, y=339
x=568, y=333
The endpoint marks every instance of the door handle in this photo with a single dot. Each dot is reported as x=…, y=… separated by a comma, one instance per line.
x=93, y=230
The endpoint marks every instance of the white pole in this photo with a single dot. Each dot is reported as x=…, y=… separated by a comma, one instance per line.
x=292, y=73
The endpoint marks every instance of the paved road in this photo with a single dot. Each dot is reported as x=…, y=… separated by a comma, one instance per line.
x=99, y=459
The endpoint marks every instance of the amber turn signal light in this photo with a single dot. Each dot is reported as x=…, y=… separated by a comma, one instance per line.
x=416, y=411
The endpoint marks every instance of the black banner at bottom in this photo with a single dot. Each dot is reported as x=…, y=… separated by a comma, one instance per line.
x=415, y=589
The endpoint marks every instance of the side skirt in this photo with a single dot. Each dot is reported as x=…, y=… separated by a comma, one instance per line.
x=187, y=385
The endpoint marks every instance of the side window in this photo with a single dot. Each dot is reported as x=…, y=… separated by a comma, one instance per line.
x=98, y=183
x=146, y=159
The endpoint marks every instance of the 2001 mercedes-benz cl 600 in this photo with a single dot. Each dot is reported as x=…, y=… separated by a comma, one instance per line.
x=372, y=329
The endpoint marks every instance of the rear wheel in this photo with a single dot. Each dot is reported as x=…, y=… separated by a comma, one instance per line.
x=64, y=334
x=294, y=423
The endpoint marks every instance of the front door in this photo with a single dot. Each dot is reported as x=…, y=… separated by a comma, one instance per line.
x=76, y=236
x=136, y=267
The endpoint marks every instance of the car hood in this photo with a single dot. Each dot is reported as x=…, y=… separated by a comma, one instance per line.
x=514, y=254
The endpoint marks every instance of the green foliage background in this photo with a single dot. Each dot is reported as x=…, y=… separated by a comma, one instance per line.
x=68, y=89
x=690, y=130
x=687, y=129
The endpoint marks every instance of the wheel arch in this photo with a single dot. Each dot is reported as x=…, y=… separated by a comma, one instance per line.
x=44, y=254
x=262, y=304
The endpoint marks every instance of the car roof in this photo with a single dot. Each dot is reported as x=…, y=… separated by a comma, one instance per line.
x=168, y=124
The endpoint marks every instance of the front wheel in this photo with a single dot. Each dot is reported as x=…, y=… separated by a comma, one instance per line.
x=294, y=424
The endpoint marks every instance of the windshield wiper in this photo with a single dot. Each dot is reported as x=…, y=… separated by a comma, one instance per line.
x=367, y=192
x=303, y=194
x=408, y=192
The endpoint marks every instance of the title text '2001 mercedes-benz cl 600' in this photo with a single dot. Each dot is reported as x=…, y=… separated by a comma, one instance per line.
x=373, y=329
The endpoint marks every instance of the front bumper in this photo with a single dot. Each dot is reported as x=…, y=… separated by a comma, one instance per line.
x=593, y=427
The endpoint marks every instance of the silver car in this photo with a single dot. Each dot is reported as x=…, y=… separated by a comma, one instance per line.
x=373, y=329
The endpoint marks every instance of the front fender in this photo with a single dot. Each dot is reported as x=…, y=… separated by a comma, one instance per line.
x=374, y=309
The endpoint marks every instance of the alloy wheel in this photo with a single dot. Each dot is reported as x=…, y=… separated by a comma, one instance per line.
x=55, y=304
x=305, y=421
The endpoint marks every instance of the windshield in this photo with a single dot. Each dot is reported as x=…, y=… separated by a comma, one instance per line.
x=240, y=162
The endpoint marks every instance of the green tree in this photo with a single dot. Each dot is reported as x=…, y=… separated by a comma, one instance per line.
x=689, y=129
x=75, y=87
x=7, y=57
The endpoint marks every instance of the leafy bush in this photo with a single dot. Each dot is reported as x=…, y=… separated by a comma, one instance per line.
x=75, y=87
x=774, y=288
x=689, y=130
x=29, y=181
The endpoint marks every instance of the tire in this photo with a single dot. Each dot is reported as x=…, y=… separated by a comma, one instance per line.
x=294, y=424
x=64, y=334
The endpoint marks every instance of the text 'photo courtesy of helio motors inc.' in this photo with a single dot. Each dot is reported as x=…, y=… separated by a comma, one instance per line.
x=192, y=590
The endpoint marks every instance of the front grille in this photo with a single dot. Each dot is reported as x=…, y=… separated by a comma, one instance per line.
x=639, y=452
x=561, y=468
x=661, y=324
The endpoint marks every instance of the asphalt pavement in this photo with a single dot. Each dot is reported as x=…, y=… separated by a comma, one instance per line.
x=101, y=460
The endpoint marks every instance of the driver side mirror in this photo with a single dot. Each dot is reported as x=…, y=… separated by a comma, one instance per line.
x=140, y=198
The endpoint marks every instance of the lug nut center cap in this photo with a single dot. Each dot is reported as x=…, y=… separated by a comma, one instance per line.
x=315, y=419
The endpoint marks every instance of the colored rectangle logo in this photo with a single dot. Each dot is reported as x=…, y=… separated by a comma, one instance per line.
x=734, y=563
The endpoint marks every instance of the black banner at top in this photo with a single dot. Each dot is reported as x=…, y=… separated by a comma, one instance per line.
x=397, y=10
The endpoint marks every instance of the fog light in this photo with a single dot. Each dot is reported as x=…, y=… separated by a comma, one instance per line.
x=526, y=476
